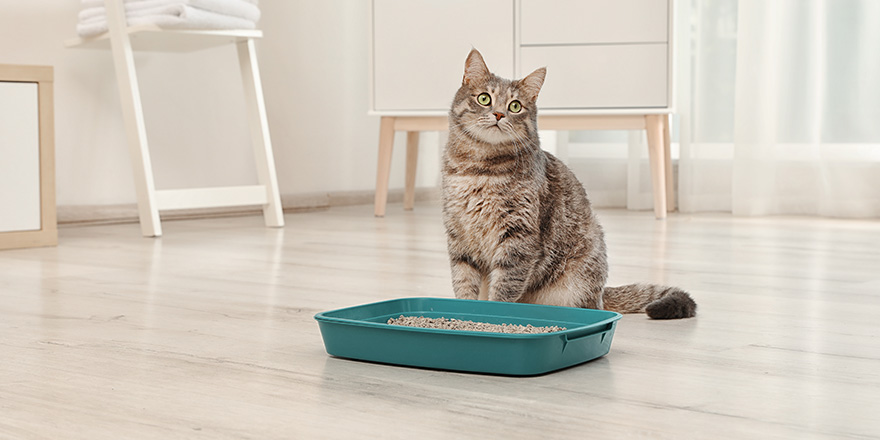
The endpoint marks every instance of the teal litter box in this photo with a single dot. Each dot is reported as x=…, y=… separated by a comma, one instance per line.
x=362, y=333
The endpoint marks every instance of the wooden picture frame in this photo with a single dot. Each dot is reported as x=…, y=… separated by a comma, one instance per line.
x=47, y=234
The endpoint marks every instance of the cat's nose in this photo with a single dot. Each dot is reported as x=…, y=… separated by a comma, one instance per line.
x=498, y=116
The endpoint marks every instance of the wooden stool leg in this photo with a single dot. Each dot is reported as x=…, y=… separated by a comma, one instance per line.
x=667, y=161
x=133, y=118
x=273, y=214
x=383, y=170
x=654, y=127
x=412, y=159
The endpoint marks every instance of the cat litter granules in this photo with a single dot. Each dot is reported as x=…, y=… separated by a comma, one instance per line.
x=458, y=324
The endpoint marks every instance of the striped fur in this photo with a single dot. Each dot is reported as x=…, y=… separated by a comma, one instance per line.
x=518, y=222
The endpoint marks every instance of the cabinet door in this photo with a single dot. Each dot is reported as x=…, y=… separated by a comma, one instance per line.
x=600, y=76
x=419, y=49
x=594, y=21
x=19, y=157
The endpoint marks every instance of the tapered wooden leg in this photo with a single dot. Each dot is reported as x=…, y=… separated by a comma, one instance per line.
x=383, y=170
x=412, y=159
x=654, y=127
x=133, y=118
x=667, y=161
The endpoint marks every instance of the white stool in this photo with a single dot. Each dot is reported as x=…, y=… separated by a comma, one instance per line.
x=123, y=41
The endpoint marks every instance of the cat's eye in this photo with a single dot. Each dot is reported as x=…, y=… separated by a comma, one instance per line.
x=484, y=99
x=514, y=107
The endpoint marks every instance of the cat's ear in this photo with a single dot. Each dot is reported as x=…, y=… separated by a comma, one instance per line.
x=475, y=70
x=531, y=84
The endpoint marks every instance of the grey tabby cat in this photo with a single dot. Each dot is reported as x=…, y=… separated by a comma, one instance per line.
x=518, y=223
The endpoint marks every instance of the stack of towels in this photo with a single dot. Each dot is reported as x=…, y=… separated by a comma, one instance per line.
x=174, y=14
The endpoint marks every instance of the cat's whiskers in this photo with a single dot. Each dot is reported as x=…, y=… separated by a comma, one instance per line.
x=465, y=132
x=465, y=129
x=520, y=144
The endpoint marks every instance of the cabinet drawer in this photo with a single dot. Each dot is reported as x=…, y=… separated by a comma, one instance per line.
x=600, y=77
x=594, y=21
x=419, y=49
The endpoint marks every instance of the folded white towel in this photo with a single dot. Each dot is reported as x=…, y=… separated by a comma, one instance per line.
x=235, y=8
x=96, y=3
x=174, y=17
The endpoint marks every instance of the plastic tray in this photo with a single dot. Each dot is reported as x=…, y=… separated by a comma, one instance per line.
x=362, y=332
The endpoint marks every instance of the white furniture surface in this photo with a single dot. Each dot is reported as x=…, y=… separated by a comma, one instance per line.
x=609, y=66
x=27, y=175
x=561, y=22
x=418, y=45
x=616, y=77
x=123, y=41
x=20, y=153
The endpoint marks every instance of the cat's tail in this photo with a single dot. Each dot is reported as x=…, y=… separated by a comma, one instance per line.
x=659, y=302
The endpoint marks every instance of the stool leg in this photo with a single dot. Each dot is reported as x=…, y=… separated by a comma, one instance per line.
x=383, y=170
x=412, y=159
x=654, y=127
x=133, y=118
x=273, y=214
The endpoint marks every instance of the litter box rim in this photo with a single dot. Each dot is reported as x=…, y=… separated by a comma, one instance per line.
x=569, y=331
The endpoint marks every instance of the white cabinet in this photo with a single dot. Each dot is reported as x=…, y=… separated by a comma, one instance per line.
x=602, y=57
x=419, y=47
x=27, y=193
x=20, y=153
x=609, y=67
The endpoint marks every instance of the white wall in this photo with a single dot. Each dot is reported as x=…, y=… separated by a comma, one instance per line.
x=314, y=65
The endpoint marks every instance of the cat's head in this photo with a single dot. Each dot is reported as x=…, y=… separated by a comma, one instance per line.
x=496, y=110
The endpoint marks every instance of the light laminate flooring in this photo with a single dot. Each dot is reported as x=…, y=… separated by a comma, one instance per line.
x=208, y=332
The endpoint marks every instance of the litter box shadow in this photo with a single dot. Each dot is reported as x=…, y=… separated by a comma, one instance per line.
x=336, y=365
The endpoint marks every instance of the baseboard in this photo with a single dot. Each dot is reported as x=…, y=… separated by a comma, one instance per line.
x=77, y=215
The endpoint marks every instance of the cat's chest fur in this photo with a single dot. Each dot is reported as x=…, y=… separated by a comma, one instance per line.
x=481, y=210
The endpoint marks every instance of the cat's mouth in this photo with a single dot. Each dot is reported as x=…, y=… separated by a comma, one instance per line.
x=493, y=133
x=495, y=124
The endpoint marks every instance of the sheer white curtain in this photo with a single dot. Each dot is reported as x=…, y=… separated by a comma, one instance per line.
x=780, y=107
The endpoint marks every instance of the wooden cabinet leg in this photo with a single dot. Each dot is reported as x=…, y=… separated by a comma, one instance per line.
x=412, y=159
x=667, y=162
x=654, y=127
x=383, y=170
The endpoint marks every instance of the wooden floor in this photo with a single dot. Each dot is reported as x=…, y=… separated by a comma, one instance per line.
x=208, y=332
